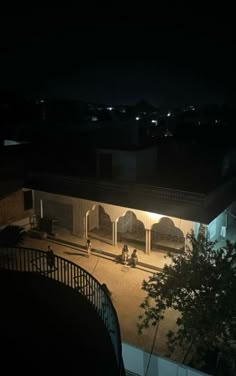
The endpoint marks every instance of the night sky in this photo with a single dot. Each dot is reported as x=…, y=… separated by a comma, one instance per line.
x=168, y=59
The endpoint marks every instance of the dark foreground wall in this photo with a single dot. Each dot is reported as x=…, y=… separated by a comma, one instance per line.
x=47, y=328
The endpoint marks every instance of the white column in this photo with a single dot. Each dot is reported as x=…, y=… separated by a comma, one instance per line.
x=114, y=233
x=41, y=208
x=86, y=226
x=148, y=241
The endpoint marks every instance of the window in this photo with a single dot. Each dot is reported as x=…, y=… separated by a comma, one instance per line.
x=28, y=200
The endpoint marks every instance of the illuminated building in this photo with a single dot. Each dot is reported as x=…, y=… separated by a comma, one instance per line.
x=119, y=203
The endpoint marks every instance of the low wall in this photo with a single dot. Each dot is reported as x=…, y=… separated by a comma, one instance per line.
x=136, y=361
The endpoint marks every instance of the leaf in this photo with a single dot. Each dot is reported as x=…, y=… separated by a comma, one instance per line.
x=201, y=285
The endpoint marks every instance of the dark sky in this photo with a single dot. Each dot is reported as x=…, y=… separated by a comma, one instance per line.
x=167, y=58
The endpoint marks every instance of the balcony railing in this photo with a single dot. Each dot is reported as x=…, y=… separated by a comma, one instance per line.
x=72, y=275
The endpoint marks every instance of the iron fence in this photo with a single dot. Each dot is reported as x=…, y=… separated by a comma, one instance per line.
x=72, y=275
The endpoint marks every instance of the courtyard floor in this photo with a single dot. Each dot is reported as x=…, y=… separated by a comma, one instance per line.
x=124, y=282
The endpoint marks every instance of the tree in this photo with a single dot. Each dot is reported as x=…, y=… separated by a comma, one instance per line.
x=201, y=285
x=11, y=236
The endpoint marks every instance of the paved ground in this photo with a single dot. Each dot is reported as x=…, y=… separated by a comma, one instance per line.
x=125, y=284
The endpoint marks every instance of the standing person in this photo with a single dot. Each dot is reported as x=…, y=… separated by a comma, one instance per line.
x=125, y=254
x=50, y=257
x=89, y=247
x=134, y=258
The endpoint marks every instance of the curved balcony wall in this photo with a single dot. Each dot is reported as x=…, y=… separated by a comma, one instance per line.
x=72, y=275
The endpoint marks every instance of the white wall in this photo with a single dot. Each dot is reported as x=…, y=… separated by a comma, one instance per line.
x=24, y=222
x=136, y=361
x=196, y=228
x=130, y=165
x=124, y=165
x=214, y=229
x=93, y=220
x=81, y=207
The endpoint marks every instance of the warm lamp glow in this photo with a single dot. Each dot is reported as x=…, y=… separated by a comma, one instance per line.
x=155, y=216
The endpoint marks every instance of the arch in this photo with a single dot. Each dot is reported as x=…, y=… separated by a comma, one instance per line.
x=166, y=236
x=94, y=207
x=99, y=224
x=124, y=213
x=131, y=230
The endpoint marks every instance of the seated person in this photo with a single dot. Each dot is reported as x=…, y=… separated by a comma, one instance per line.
x=134, y=258
x=125, y=254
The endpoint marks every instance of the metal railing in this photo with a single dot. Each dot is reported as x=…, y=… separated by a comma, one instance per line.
x=72, y=275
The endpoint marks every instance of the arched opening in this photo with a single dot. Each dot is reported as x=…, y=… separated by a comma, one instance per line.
x=166, y=236
x=99, y=224
x=131, y=231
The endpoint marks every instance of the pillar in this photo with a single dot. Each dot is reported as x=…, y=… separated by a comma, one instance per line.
x=148, y=241
x=86, y=226
x=114, y=233
x=41, y=208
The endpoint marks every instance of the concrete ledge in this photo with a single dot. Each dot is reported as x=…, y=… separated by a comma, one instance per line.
x=36, y=234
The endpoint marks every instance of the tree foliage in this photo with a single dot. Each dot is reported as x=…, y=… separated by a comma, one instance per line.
x=11, y=236
x=201, y=285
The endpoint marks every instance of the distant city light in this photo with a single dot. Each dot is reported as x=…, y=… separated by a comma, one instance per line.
x=168, y=114
x=137, y=118
x=109, y=108
x=94, y=118
x=216, y=121
x=13, y=142
x=154, y=122
x=168, y=133
x=42, y=101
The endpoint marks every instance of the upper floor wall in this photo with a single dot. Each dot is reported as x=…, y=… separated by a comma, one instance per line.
x=15, y=207
x=126, y=165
